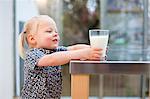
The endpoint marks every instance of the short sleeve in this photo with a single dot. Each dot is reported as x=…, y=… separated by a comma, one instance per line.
x=62, y=48
x=32, y=57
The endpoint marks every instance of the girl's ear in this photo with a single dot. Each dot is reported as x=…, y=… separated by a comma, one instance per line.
x=31, y=39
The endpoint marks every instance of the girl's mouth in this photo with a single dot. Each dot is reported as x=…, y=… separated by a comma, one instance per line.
x=55, y=40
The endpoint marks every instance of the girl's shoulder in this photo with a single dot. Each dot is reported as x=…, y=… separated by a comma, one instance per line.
x=34, y=52
x=32, y=57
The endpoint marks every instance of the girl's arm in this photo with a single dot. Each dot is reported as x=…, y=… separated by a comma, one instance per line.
x=60, y=58
x=78, y=46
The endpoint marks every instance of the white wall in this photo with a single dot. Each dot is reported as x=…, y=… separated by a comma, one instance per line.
x=25, y=9
x=6, y=50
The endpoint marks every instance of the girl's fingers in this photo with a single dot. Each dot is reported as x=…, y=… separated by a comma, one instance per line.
x=97, y=49
x=96, y=56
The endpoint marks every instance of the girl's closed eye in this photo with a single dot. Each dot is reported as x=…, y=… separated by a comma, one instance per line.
x=49, y=31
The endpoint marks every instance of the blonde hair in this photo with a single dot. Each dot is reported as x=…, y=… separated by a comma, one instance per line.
x=31, y=26
x=21, y=45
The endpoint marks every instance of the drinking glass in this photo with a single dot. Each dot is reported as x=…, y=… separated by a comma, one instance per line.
x=99, y=39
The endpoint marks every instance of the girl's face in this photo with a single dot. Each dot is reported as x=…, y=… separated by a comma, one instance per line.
x=47, y=35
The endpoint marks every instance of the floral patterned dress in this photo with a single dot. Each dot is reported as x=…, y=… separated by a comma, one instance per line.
x=41, y=82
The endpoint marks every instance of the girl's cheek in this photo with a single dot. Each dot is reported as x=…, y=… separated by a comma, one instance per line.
x=49, y=38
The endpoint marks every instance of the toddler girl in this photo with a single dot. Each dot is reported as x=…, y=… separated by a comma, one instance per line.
x=43, y=57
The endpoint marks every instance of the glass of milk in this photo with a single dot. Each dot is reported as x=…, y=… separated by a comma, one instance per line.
x=99, y=39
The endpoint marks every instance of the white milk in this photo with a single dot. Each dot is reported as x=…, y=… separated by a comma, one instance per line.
x=100, y=42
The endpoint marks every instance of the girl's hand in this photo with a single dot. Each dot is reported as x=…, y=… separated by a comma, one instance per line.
x=91, y=54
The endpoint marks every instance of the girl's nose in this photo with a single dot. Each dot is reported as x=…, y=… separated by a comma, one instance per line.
x=55, y=34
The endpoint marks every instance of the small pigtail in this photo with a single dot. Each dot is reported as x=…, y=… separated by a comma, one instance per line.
x=21, y=41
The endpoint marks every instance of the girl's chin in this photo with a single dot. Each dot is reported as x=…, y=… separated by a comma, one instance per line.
x=54, y=47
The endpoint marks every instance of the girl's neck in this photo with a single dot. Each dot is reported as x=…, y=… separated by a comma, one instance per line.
x=32, y=46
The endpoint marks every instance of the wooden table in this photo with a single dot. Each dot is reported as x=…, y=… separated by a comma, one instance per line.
x=80, y=71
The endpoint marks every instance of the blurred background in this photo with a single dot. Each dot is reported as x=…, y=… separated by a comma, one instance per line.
x=127, y=20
